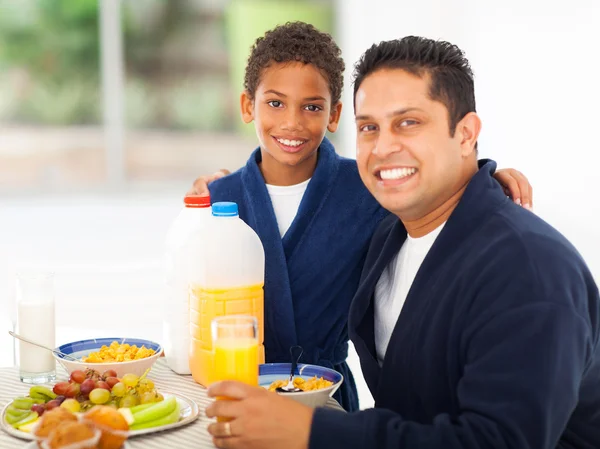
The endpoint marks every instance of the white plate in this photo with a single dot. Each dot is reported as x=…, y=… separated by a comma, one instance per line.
x=189, y=413
x=33, y=445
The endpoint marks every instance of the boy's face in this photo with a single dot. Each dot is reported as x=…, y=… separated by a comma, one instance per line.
x=291, y=111
x=406, y=156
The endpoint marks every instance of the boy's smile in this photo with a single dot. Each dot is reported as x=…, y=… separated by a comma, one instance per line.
x=291, y=111
x=290, y=144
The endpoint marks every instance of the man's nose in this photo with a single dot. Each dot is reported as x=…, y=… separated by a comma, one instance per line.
x=387, y=143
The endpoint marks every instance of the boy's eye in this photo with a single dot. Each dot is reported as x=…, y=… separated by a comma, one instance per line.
x=313, y=108
x=275, y=103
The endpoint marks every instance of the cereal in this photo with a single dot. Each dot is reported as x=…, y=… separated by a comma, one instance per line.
x=304, y=385
x=118, y=353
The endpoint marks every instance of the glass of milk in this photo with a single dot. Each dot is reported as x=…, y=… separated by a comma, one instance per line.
x=35, y=321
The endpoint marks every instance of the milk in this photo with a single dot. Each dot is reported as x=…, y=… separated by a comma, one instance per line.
x=36, y=322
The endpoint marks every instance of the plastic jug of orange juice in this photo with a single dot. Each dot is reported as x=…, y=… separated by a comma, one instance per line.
x=227, y=279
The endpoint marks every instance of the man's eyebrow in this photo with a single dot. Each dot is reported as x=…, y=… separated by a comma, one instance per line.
x=391, y=114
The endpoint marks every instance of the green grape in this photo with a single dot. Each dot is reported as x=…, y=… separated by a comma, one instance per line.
x=146, y=385
x=119, y=389
x=147, y=397
x=72, y=405
x=130, y=380
x=99, y=396
x=129, y=401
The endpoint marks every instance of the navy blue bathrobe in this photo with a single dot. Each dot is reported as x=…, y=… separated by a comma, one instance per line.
x=496, y=346
x=312, y=273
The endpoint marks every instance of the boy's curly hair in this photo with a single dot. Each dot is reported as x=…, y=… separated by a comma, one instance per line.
x=296, y=41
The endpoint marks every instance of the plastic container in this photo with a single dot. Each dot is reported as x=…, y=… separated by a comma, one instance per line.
x=183, y=241
x=227, y=279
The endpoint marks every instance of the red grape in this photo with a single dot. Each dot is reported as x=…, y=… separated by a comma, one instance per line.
x=60, y=388
x=112, y=381
x=102, y=384
x=87, y=386
x=78, y=376
x=72, y=391
x=52, y=404
x=60, y=399
x=39, y=408
x=109, y=373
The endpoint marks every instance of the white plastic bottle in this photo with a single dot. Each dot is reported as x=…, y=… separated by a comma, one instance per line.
x=186, y=229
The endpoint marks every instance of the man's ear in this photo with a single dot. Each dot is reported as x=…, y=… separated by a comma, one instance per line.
x=246, y=107
x=467, y=131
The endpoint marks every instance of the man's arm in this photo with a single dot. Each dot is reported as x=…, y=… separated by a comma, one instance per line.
x=520, y=383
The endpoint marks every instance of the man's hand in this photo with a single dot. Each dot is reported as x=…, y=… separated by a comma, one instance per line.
x=200, y=186
x=258, y=419
x=516, y=186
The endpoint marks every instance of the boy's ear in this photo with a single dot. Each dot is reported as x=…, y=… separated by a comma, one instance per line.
x=247, y=107
x=334, y=117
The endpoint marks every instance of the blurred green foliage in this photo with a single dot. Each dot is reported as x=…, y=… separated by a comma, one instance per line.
x=50, y=61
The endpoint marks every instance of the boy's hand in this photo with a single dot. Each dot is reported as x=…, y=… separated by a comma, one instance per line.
x=259, y=419
x=516, y=186
x=200, y=186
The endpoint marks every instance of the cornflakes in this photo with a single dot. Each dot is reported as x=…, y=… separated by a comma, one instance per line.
x=304, y=385
x=118, y=353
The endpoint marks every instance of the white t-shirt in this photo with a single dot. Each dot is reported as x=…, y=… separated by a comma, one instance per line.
x=394, y=284
x=286, y=201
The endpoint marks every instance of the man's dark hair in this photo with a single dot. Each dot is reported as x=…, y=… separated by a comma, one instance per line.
x=296, y=41
x=451, y=77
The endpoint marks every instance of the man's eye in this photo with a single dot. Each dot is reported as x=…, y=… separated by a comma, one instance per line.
x=367, y=128
x=408, y=122
x=275, y=103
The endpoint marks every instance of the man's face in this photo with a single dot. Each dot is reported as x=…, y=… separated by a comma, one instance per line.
x=406, y=156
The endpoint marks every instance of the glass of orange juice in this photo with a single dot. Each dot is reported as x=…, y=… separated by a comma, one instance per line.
x=235, y=347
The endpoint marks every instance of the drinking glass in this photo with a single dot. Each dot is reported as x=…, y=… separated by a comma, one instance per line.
x=235, y=346
x=35, y=321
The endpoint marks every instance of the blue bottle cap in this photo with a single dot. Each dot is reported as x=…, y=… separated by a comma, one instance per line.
x=225, y=209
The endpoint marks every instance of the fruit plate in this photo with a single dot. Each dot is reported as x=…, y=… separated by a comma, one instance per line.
x=34, y=445
x=189, y=413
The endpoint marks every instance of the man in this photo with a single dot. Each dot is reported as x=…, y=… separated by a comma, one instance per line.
x=476, y=323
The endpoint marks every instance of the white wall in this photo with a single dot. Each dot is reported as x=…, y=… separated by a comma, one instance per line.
x=537, y=72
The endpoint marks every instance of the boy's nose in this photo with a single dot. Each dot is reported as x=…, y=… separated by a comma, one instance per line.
x=292, y=121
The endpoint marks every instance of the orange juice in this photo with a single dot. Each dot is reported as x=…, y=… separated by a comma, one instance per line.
x=236, y=359
x=206, y=304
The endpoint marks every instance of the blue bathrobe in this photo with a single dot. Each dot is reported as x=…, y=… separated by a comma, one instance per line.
x=311, y=273
x=496, y=346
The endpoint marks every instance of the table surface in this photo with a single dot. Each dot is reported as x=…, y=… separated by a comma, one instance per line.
x=194, y=435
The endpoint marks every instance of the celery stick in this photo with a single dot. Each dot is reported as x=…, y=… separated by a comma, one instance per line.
x=29, y=418
x=41, y=392
x=23, y=403
x=139, y=408
x=171, y=418
x=15, y=418
x=158, y=410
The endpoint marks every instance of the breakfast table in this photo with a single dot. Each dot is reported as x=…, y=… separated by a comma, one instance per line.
x=192, y=435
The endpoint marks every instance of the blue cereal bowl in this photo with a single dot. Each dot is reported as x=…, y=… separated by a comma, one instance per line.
x=270, y=372
x=82, y=348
